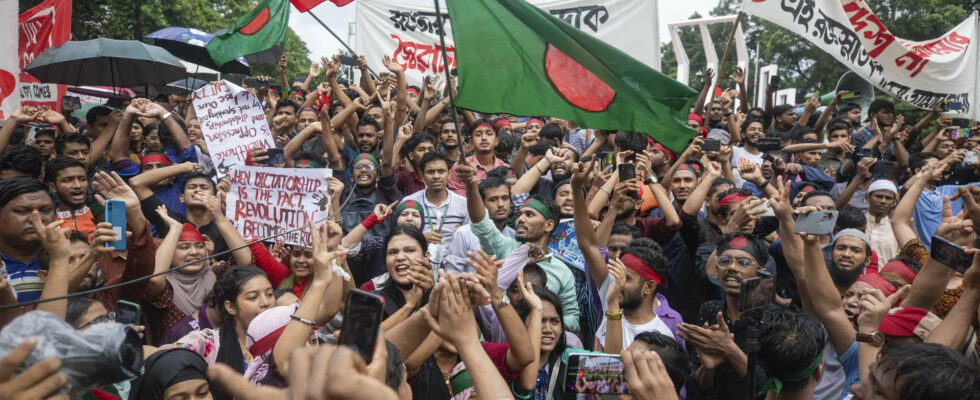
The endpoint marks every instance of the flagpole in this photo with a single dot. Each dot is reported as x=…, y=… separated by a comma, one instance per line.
x=449, y=80
x=338, y=39
x=724, y=56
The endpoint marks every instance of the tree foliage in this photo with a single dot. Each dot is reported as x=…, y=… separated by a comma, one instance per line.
x=133, y=19
x=802, y=65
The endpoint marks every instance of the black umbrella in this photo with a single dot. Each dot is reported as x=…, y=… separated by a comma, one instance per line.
x=190, y=45
x=106, y=62
x=182, y=86
x=270, y=56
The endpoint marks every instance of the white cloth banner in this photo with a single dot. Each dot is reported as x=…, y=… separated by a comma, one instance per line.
x=264, y=201
x=232, y=121
x=9, y=68
x=919, y=73
x=410, y=35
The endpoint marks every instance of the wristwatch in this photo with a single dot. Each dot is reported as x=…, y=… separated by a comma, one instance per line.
x=504, y=301
x=165, y=116
x=876, y=339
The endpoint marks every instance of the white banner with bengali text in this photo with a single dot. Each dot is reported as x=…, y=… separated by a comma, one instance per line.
x=232, y=120
x=410, y=35
x=264, y=201
x=919, y=73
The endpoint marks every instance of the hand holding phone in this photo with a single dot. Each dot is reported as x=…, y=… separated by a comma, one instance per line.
x=755, y=292
x=817, y=223
x=627, y=172
x=950, y=254
x=115, y=214
x=711, y=145
x=362, y=321
x=595, y=374
x=128, y=312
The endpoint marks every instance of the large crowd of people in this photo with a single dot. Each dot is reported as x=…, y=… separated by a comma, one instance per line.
x=503, y=246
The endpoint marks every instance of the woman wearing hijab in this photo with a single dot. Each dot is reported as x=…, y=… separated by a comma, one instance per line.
x=172, y=374
x=171, y=297
x=367, y=260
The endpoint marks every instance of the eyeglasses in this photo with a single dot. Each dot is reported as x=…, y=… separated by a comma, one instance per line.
x=740, y=263
x=110, y=317
x=364, y=167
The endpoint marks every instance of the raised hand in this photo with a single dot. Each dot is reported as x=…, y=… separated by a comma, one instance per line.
x=282, y=63
x=709, y=76
x=581, y=172
x=646, y=375
x=165, y=216
x=527, y=291
x=875, y=306
x=956, y=228
x=314, y=69
x=112, y=186
x=486, y=267
x=391, y=65
x=382, y=211
x=455, y=322
x=50, y=116
x=25, y=114
x=781, y=205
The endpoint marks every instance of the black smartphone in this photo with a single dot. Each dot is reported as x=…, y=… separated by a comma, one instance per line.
x=817, y=222
x=276, y=156
x=766, y=144
x=883, y=169
x=756, y=292
x=774, y=81
x=950, y=254
x=862, y=153
x=348, y=60
x=362, y=320
x=595, y=374
x=127, y=312
x=711, y=145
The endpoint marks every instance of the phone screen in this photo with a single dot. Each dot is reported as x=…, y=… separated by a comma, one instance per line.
x=817, y=222
x=950, y=254
x=362, y=320
x=115, y=214
x=756, y=292
x=883, y=169
x=711, y=145
x=768, y=144
x=276, y=156
x=595, y=374
x=127, y=313
x=607, y=158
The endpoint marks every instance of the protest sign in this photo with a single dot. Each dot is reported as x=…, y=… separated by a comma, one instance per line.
x=232, y=120
x=46, y=25
x=564, y=245
x=410, y=35
x=9, y=95
x=264, y=201
x=919, y=73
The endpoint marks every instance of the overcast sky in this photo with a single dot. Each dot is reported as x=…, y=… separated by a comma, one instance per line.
x=321, y=43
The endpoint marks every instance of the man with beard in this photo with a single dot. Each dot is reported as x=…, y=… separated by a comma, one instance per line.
x=850, y=253
x=851, y=114
x=783, y=121
x=882, y=198
x=881, y=111
x=661, y=159
x=716, y=116
x=449, y=139
x=366, y=137
x=558, y=162
x=373, y=185
x=483, y=139
x=640, y=306
x=19, y=241
x=495, y=193
x=923, y=187
x=534, y=224
x=752, y=130
x=68, y=180
x=417, y=146
x=284, y=122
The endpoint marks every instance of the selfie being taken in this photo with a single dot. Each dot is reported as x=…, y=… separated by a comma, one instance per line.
x=490, y=199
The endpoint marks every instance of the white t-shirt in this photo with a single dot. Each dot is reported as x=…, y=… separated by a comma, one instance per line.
x=629, y=330
x=740, y=157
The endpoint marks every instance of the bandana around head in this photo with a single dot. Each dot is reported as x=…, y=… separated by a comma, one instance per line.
x=156, y=157
x=637, y=265
x=538, y=206
x=740, y=241
x=695, y=168
x=409, y=204
x=190, y=234
x=366, y=156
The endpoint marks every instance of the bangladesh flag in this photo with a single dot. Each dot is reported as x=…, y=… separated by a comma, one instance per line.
x=258, y=30
x=517, y=59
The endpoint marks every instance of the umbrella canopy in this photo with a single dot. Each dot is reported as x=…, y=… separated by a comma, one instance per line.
x=122, y=63
x=188, y=44
x=182, y=86
x=270, y=56
x=105, y=92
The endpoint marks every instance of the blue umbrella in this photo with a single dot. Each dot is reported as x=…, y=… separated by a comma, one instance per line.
x=188, y=44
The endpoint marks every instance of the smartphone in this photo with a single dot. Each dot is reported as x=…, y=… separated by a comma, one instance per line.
x=127, y=312
x=883, y=168
x=70, y=103
x=362, y=320
x=970, y=157
x=348, y=60
x=954, y=106
x=755, y=292
x=774, y=81
x=711, y=145
x=766, y=144
x=817, y=222
x=861, y=153
x=627, y=172
x=595, y=374
x=115, y=214
x=607, y=158
x=276, y=156
x=767, y=210
x=950, y=254
x=252, y=83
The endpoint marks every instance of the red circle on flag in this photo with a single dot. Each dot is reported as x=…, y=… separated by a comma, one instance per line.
x=738, y=242
x=577, y=85
x=256, y=24
x=410, y=204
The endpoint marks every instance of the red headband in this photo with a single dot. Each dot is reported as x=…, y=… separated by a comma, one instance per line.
x=533, y=120
x=413, y=90
x=190, y=234
x=502, y=123
x=486, y=124
x=901, y=269
x=902, y=321
x=733, y=198
x=160, y=158
x=663, y=149
x=636, y=264
x=879, y=283
x=693, y=116
x=265, y=344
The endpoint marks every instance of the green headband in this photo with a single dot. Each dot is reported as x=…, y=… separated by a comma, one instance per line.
x=538, y=206
x=409, y=204
x=303, y=162
x=775, y=384
x=366, y=156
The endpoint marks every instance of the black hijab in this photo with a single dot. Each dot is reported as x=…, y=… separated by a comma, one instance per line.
x=164, y=369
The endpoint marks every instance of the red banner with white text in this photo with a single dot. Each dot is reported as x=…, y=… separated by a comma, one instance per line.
x=46, y=25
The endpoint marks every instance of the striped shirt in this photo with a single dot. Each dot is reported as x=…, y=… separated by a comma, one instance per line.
x=444, y=218
x=23, y=278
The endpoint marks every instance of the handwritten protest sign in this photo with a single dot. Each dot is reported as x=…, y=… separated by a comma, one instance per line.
x=232, y=121
x=264, y=201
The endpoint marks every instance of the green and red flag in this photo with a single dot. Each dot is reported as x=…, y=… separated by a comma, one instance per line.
x=515, y=58
x=263, y=26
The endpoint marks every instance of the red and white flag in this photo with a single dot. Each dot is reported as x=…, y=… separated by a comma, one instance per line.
x=46, y=25
x=307, y=5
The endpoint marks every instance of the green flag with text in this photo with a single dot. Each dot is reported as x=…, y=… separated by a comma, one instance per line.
x=515, y=58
